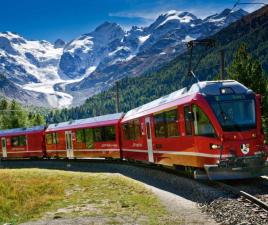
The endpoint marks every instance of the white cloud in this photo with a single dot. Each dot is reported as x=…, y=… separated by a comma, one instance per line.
x=253, y=7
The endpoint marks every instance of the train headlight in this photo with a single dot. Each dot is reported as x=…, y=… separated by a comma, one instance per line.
x=215, y=146
x=264, y=142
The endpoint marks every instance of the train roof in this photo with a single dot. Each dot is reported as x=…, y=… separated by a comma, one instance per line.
x=18, y=131
x=88, y=122
x=184, y=95
x=215, y=87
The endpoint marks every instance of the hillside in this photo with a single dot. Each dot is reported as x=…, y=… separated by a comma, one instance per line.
x=251, y=29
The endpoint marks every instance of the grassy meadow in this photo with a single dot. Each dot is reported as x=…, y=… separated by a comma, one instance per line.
x=34, y=194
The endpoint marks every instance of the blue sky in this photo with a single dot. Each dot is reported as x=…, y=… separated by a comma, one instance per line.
x=67, y=19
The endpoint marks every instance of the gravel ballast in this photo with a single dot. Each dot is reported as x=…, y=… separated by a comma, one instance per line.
x=231, y=211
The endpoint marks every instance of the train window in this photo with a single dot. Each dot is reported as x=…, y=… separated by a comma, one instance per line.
x=106, y=133
x=15, y=141
x=80, y=135
x=22, y=140
x=188, y=120
x=89, y=138
x=98, y=134
x=18, y=141
x=148, y=130
x=166, y=124
x=55, y=138
x=49, y=139
x=52, y=138
x=132, y=130
x=160, y=126
x=202, y=125
x=172, y=123
x=109, y=132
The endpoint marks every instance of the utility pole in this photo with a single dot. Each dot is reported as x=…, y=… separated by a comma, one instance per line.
x=222, y=64
x=117, y=96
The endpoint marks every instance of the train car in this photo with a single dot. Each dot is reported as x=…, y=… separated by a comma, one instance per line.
x=23, y=142
x=213, y=130
x=96, y=137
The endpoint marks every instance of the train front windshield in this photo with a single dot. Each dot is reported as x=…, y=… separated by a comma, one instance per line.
x=234, y=112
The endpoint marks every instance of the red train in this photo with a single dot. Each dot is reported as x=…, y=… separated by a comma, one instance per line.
x=91, y=138
x=23, y=142
x=211, y=130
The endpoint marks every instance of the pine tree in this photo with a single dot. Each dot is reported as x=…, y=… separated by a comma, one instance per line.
x=4, y=118
x=13, y=115
x=18, y=116
x=249, y=72
x=37, y=120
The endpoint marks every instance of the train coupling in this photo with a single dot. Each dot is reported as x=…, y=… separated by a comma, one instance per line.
x=238, y=168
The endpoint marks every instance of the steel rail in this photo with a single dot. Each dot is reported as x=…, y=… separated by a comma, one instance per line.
x=255, y=200
x=251, y=198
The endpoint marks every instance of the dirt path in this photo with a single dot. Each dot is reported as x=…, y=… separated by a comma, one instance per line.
x=181, y=207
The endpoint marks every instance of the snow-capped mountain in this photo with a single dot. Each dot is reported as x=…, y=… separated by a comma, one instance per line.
x=144, y=49
x=225, y=17
x=87, y=51
x=27, y=61
x=32, y=66
x=62, y=72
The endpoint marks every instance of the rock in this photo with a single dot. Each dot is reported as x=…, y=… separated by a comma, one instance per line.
x=59, y=43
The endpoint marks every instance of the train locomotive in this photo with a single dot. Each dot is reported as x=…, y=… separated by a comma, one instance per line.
x=213, y=130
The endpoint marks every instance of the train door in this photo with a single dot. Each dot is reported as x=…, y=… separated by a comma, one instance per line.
x=89, y=138
x=188, y=140
x=69, y=144
x=4, y=147
x=149, y=139
x=204, y=131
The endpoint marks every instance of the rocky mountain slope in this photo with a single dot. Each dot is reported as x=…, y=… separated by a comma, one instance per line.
x=65, y=74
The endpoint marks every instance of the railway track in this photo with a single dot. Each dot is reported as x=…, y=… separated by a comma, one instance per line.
x=257, y=204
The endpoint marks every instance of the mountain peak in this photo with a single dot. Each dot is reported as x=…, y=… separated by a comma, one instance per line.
x=225, y=12
x=106, y=26
x=228, y=12
x=107, y=32
x=59, y=43
x=240, y=11
x=179, y=14
x=173, y=16
x=183, y=17
x=225, y=17
x=171, y=12
x=10, y=35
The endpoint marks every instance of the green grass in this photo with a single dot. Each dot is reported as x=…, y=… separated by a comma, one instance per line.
x=30, y=194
